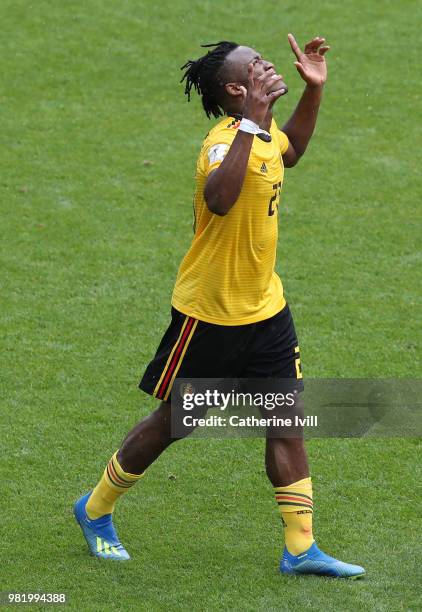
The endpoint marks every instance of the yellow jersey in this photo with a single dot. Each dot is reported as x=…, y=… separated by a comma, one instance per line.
x=227, y=276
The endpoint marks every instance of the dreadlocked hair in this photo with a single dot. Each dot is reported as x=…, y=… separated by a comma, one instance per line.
x=203, y=75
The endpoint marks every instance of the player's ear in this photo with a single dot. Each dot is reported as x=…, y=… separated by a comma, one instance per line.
x=234, y=89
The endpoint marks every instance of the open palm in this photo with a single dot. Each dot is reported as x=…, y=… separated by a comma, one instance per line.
x=311, y=63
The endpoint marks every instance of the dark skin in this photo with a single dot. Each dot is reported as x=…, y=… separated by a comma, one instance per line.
x=285, y=458
x=252, y=90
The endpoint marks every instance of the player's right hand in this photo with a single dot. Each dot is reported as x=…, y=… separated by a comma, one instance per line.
x=260, y=94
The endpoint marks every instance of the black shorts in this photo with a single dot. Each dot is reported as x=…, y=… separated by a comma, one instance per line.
x=194, y=349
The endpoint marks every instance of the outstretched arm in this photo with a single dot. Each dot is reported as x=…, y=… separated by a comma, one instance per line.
x=312, y=68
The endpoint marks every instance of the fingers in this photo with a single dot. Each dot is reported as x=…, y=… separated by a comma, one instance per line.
x=275, y=95
x=244, y=92
x=313, y=45
x=267, y=80
x=264, y=77
x=250, y=74
x=295, y=47
x=266, y=74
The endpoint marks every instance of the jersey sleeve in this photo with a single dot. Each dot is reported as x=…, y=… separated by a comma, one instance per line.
x=215, y=149
x=284, y=142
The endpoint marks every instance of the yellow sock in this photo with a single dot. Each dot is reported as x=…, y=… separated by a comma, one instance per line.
x=114, y=482
x=296, y=507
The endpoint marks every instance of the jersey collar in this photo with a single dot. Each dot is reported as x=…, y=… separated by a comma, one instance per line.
x=263, y=137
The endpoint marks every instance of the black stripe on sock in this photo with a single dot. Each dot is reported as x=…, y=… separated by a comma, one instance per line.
x=283, y=503
x=293, y=494
x=129, y=482
x=117, y=484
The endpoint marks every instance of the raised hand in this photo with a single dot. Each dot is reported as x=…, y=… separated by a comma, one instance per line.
x=261, y=94
x=311, y=63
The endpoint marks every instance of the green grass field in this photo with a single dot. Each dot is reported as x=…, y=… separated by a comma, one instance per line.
x=97, y=162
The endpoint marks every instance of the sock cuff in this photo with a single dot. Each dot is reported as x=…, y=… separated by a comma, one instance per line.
x=296, y=497
x=117, y=478
x=119, y=471
x=305, y=484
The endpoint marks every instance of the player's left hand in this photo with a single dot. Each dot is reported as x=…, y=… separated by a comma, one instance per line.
x=311, y=63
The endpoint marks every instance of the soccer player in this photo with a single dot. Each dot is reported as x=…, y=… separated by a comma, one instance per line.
x=229, y=316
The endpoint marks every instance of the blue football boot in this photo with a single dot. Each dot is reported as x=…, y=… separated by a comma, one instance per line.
x=314, y=561
x=100, y=534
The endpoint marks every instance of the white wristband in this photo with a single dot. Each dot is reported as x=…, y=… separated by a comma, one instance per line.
x=246, y=125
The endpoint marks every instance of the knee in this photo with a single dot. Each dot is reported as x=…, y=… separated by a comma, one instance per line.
x=156, y=425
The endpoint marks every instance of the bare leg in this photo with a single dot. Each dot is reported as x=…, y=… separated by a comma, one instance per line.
x=285, y=458
x=285, y=461
x=146, y=441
